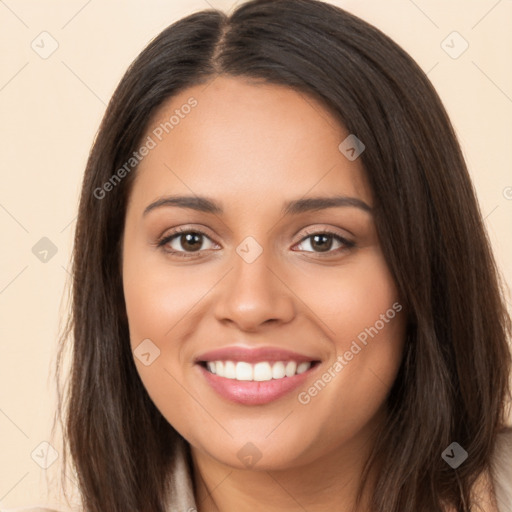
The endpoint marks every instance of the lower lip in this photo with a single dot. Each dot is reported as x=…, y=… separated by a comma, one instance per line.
x=254, y=392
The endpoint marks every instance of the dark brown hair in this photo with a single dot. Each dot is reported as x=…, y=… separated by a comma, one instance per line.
x=453, y=384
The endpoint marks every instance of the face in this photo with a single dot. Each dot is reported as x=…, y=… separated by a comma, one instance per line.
x=299, y=299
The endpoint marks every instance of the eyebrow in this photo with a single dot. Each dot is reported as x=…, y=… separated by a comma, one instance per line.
x=295, y=207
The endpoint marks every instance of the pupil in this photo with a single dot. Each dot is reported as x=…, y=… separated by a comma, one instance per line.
x=323, y=247
x=190, y=239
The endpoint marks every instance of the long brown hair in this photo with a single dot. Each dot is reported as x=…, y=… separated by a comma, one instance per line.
x=453, y=384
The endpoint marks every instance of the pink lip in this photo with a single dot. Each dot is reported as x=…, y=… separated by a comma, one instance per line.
x=253, y=355
x=252, y=392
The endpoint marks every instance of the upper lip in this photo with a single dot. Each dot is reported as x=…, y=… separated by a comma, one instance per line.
x=252, y=355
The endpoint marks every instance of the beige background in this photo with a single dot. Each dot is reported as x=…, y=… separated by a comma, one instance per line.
x=51, y=108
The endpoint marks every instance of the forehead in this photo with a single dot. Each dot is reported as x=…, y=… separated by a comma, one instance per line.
x=245, y=142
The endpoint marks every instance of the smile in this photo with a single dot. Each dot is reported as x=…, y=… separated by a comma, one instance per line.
x=245, y=388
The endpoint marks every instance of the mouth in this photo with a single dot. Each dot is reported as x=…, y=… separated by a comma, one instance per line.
x=255, y=376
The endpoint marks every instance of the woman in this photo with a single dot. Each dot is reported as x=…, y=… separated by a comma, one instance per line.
x=226, y=355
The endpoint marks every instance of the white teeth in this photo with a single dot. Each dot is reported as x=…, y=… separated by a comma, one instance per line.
x=243, y=371
x=291, y=367
x=278, y=370
x=229, y=370
x=259, y=372
x=303, y=367
x=262, y=371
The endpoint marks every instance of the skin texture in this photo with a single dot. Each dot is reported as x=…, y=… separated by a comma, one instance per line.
x=251, y=147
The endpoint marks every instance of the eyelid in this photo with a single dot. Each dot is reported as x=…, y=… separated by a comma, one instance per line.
x=326, y=230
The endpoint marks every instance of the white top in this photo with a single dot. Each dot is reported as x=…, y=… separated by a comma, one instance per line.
x=181, y=494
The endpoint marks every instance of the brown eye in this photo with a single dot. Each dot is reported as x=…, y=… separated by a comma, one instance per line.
x=190, y=241
x=183, y=242
x=322, y=242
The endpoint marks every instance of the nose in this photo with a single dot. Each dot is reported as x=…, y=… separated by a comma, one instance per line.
x=255, y=293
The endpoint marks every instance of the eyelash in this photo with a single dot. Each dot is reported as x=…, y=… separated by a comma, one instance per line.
x=180, y=231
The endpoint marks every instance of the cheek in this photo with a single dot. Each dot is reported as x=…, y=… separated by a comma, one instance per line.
x=365, y=322
x=157, y=301
x=159, y=297
x=161, y=304
x=351, y=297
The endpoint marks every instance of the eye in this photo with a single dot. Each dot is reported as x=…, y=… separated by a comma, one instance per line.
x=185, y=242
x=323, y=241
x=191, y=240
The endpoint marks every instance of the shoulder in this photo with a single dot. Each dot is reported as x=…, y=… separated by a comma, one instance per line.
x=501, y=469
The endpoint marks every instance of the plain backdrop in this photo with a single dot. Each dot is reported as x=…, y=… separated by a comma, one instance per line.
x=51, y=105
